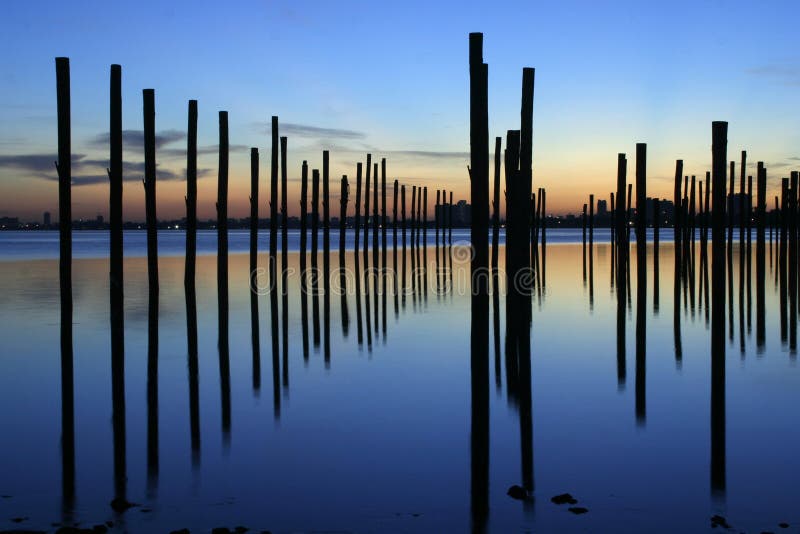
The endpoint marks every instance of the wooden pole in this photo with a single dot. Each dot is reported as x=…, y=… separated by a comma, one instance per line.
x=641, y=282
x=150, y=208
x=115, y=222
x=254, y=329
x=64, y=169
x=495, y=204
x=273, y=262
x=357, y=220
x=366, y=222
x=189, y=284
x=222, y=230
x=761, y=209
x=116, y=280
x=719, y=155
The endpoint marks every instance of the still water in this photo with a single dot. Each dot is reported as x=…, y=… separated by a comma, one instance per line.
x=369, y=430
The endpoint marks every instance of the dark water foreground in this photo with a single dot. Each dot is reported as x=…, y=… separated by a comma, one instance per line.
x=370, y=431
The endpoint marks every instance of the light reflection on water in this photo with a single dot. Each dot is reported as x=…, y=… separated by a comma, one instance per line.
x=378, y=439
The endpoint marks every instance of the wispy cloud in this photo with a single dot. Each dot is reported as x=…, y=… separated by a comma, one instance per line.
x=87, y=171
x=35, y=162
x=135, y=139
x=783, y=74
x=308, y=131
x=429, y=154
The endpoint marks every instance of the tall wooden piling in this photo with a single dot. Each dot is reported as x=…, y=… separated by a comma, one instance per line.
x=344, y=193
x=191, y=229
x=383, y=219
x=116, y=278
x=591, y=219
x=375, y=226
x=357, y=219
x=284, y=264
x=479, y=193
x=495, y=204
x=189, y=279
x=222, y=230
x=64, y=169
x=115, y=222
x=304, y=227
x=273, y=233
x=641, y=281
x=366, y=223
x=718, y=215
x=254, y=328
x=761, y=209
x=284, y=220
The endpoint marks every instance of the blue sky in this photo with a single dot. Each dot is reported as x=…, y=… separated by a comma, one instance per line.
x=392, y=78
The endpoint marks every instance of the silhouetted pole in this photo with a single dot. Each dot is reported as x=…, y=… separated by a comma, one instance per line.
x=656, y=227
x=284, y=265
x=677, y=229
x=622, y=253
x=613, y=222
x=344, y=196
x=479, y=194
x=357, y=220
x=403, y=217
x=344, y=189
x=284, y=227
x=761, y=209
x=115, y=222
x=222, y=230
x=719, y=155
x=383, y=219
x=450, y=220
x=375, y=227
x=150, y=209
x=189, y=286
x=495, y=205
x=526, y=159
x=116, y=279
x=326, y=258
x=729, y=207
x=64, y=169
x=425, y=217
x=413, y=219
x=394, y=235
x=591, y=219
x=584, y=221
x=254, y=330
x=628, y=213
x=304, y=228
x=303, y=241
x=641, y=282
x=366, y=224
x=273, y=240
x=152, y=269
x=419, y=216
x=742, y=212
x=314, y=258
x=191, y=229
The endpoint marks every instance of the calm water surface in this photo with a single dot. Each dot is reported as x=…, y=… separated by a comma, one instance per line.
x=370, y=430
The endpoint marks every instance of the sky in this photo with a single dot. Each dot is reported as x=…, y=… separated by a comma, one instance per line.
x=392, y=79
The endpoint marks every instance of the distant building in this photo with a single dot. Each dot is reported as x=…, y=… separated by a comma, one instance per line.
x=462, y=213
x=99, y=219
x=602, y=207
x=46, y=219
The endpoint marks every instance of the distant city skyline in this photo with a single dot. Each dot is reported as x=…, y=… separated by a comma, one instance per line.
x=369, y=77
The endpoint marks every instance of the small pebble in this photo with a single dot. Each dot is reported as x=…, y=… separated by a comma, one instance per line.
x=564, y=498
x=578, y=510
x=517, y=492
